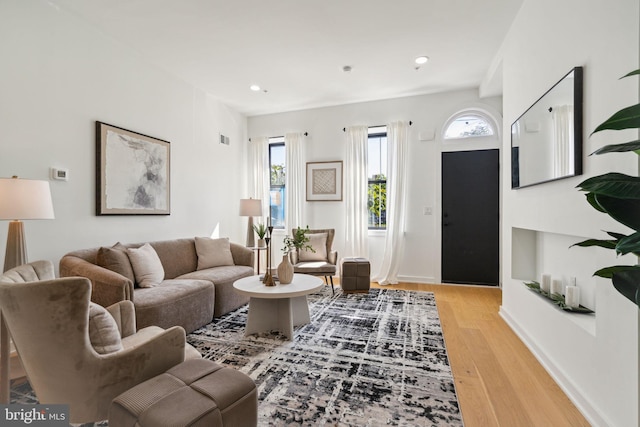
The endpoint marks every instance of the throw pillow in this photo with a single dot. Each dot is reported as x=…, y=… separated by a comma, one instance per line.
x=318, y=241
x=103, y=330
x=115, y=259
x=146, y=266
x=213, y=252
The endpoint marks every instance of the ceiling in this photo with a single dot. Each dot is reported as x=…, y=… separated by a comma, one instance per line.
x=295, y=50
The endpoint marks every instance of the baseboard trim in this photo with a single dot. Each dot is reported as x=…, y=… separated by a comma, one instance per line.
x=417, y=279
x=573, y=393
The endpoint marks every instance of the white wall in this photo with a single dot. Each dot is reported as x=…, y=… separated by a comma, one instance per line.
x=595, y=359
x=58, y=76
x=421, y=262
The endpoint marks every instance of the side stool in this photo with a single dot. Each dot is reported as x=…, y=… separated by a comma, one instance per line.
x=355, y=275
x=197, y=392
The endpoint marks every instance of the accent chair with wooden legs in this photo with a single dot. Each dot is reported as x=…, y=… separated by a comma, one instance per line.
x=323, y=261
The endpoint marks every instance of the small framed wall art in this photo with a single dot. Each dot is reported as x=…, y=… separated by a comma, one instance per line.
x=324, y=181
x=132, y=173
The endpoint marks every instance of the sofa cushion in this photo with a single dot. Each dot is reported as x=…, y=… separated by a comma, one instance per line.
x=227, y=298
x=178, y=256
x=146, y=266
x=213, y=252
x=116, y=259
x=318, y=241
x=103, y=330
x=181, y=302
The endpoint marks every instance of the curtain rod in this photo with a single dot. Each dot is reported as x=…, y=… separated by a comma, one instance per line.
x=378, y=126
x=305, y=134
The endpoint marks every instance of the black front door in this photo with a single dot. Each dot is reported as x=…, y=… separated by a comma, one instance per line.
x=470, y=217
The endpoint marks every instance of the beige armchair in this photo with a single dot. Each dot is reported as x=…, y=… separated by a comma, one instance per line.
x=323, y=261
x=76, y=352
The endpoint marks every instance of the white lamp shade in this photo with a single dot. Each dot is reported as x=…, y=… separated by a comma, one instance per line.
x=250, y=207
x=25, y=199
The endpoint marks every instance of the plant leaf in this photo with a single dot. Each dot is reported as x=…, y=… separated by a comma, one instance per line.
x=616, y=236
x=628, y=284
x=619, y=148
x=627, y=118
x=633, y=73
x=625, y=211
x=608, y=272
x=629, y=244
x=591, y=198
x=607, y=244
x=613, y=184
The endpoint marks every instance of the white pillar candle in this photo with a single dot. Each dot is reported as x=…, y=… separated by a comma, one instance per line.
x=572, y=299
x=545, y=285
x=556, y=287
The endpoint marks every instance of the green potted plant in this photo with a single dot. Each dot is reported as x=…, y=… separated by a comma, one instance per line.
x=298, y=241
x=261, y=231
x=618, y=195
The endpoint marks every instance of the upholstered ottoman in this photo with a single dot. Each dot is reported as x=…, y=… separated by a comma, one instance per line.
x=197, y=392
x=355, y=275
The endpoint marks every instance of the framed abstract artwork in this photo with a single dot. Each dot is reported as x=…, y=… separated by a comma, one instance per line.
x=132, y=173
x=324, y=181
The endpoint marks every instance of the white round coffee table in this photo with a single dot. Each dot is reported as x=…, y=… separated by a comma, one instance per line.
x=279, y=307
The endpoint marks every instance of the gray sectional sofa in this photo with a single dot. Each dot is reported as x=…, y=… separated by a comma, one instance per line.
x=187, y=296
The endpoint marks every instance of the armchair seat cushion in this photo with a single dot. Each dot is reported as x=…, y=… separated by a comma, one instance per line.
x=316, y=267
x=145, y=334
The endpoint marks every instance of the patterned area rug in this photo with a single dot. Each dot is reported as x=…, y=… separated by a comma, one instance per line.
x=364, y=360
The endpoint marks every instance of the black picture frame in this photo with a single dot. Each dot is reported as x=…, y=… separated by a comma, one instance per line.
x=133, y=172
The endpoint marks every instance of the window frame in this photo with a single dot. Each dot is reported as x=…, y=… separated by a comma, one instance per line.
x=470, y=112
x=277, y=141
x=376, y=132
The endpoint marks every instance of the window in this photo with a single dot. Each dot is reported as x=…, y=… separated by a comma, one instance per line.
x=468, y=125
x=377, y=177
x=276, y=181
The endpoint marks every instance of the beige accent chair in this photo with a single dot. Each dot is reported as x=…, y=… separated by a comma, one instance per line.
x=79, y=353
x=323, y=261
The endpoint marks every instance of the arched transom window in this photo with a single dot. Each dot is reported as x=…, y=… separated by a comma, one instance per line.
x=468, y=125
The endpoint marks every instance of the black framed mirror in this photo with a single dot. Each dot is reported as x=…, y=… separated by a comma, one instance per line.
x=546, y=140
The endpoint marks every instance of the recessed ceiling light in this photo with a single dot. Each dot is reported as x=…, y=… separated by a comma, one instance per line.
x=254, y=88
x=422, y=60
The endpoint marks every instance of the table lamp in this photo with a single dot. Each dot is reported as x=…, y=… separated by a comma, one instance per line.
x=250, y=207
x=19, y=199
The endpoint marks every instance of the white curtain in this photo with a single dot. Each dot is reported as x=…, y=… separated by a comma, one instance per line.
x=397, y=151
x=294, y=144
x=259, y=172
x=356, y=185
x=563, y=158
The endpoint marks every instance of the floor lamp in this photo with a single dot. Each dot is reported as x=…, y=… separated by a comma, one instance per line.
x=20, y=199
x=250, y=208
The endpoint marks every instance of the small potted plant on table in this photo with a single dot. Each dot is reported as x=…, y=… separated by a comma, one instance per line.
x=261, y=231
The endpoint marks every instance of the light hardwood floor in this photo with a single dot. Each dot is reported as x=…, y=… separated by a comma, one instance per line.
x=498, y=381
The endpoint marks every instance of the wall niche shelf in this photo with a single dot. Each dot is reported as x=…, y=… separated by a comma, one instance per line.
x=557, y=299
x=538, y=252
